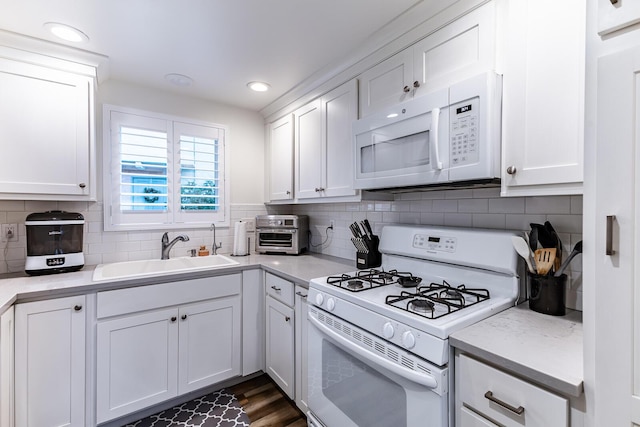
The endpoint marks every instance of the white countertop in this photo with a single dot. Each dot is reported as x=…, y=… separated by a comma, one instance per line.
x=544, y=349
x=299, y=269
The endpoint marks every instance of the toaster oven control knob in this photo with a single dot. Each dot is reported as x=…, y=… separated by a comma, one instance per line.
x=408, y=340
x=331, y=304
x=319, y=299
x=388, y=331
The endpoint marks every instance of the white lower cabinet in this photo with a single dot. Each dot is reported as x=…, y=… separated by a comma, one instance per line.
x=50, y=355
x=280, y=345
x=301, y=349
x=486, y=396
x=144, y=358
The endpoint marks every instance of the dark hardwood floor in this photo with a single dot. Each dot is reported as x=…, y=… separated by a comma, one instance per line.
x=266, y=405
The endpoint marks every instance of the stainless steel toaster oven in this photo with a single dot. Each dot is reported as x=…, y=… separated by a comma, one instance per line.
x=282, y=234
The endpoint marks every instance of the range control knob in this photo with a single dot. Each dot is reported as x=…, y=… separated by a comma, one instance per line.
x=408, y=340
x=388, y=331
x=319, y=299
x=331, y=304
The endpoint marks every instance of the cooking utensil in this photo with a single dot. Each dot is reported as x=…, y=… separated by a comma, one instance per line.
x=577, y=249
x=554, y=235
x=545, y=258
x=533, y=238
x=546, y=239
x=524, y=251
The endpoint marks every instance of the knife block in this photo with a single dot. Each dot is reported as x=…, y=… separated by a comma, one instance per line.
x=371, y=258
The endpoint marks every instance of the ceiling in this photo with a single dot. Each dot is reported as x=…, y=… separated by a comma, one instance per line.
x=220, y=44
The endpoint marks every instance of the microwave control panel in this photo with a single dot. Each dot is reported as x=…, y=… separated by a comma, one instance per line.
x=434, y=243
x=463, y=132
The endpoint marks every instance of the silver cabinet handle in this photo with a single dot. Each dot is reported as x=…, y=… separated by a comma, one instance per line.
x=416, y=84
x=77, y=308
x=609, y=240
x=518, y=411
x=173, y=318
x=82, y=185
x=301, y=295
x=406, y=89
x=183, y=317
x=275, y=288
x=511, y=170
x=287, y=318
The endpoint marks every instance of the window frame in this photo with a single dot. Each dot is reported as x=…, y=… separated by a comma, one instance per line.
x=173, y=218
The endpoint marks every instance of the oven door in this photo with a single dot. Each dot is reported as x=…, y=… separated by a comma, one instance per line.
x=404, y=145
x=350, y=385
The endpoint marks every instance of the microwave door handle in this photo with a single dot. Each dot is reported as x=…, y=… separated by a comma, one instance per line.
x=435, y=121
x=406, y=373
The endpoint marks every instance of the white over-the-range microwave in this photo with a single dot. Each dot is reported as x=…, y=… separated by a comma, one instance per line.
x=446, y=137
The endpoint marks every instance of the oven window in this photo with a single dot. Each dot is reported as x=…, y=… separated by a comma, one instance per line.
x=355, y=389
x=275, y=239
x=395, y=154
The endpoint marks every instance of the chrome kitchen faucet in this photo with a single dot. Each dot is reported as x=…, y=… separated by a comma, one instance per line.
x=167, y=245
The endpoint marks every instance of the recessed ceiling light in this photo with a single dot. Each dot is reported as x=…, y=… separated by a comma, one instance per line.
x=179, y=79
x=66, y=32
x=258, y=86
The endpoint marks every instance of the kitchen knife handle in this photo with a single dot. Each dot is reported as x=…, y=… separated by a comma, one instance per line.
x=609, y=239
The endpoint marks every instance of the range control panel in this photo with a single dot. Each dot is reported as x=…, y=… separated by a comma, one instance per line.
x=434, y=243
x=464, y=119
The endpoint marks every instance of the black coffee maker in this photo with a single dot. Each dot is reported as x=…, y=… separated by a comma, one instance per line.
x=54, y=242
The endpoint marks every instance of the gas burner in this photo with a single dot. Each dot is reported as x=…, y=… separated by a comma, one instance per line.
x=355, y=285
x=421, y=305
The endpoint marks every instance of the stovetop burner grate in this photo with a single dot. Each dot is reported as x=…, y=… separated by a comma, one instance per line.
x=369, y=279
x=436, y=300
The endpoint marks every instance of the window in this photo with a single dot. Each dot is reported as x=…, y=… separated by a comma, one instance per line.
x=163, y=172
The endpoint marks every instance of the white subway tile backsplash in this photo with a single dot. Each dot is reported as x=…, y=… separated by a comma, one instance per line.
x=548, y=205
x=507, y=205
x=458, y=220
x=473, y=205
x=445, y=206
x=498, y=221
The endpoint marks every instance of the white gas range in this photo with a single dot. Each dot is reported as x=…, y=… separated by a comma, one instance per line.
x=386, y=330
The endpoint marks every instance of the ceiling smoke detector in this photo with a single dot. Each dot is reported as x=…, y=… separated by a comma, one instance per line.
x=179, y=80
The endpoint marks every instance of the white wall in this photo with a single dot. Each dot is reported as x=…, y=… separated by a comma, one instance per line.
x=246, y=131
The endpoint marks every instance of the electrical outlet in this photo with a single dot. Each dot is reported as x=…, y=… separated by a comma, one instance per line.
x=251, y=224
x=9, y=232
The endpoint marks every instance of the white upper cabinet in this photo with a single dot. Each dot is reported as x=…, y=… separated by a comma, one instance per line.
x=46, y=129
x=324, y=153
x=281, y=159
x=543, y=97
x=615, y=15
x=459, y=50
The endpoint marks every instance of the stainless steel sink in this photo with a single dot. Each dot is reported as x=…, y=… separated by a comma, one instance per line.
x=152, y=267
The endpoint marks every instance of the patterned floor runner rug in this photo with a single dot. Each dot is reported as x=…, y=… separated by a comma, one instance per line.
x=217, y=409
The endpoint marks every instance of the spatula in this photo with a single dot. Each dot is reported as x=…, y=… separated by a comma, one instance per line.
x=545, y=258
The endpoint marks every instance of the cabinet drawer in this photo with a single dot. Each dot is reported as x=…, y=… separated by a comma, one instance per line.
x=279, y=288
x=478, y=383
x=141, y=298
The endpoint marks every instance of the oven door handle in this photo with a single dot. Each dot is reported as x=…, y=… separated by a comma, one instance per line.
x=416, y=377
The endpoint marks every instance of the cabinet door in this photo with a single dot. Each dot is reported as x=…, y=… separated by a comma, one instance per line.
x=458, y=51
x=386, y=84
x=468, y=418
x=50, y=363
x=136, y=362
x=543, y=101
x=280, y=345
x=615, y=15
x=7, y=368
x=309, y=150
x=281, y=159
x=46, y=131
x=301, y=349
x=209, y=343
x=339, y=110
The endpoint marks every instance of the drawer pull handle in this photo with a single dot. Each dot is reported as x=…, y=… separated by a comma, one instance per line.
x=173, y=318
x=77, y=308
x=518, y=411
x=609, y=238
x=276, y=288
x=183, y=317
x=301, y=295
x=287, y=318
